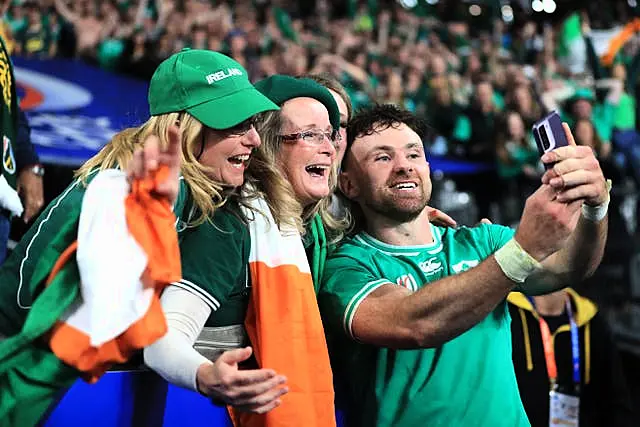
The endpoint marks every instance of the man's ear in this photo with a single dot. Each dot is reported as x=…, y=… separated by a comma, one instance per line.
x=348, y=185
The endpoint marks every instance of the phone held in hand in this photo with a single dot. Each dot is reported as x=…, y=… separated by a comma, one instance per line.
x=549, y=134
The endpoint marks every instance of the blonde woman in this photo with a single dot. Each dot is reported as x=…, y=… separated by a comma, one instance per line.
x=204, y=102
x=290, y=241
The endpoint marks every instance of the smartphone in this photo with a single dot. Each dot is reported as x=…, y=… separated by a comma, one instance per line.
x=549, y=134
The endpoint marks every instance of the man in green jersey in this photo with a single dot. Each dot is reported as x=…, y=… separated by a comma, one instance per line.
x=415, y=314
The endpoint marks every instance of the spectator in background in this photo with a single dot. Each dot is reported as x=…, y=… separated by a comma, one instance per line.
x=86, y=23
x=586, y=134
x=9, y=201
x=482, y=114
x=445, y=114
x=598, y=382
x=520, y=99
x=35, y=39
x=29, y=185
x=528, y=44
x=20, y=167
x=395, y=93
x=138, y=61
x=584, y=106
x=517, y=163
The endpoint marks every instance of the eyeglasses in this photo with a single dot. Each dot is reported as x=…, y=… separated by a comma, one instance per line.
x=241, y=128
x=314, y=136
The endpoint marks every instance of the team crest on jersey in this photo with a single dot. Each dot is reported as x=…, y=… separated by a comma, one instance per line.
x=407, y=281
x=8, y=160
x=464, y=265
x=431, y=266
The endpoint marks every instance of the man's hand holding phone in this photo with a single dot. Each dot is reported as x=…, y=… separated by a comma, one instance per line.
x=574, y=173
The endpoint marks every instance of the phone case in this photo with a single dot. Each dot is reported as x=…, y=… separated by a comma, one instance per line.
x=549, y=133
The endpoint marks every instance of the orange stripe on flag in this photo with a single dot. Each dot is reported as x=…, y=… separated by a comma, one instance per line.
x=284, y=325
x=61, y=261
x=72, y=346
x=619, y=40
x=151, y=222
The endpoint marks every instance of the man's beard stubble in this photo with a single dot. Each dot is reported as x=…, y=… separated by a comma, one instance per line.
x=396, y=207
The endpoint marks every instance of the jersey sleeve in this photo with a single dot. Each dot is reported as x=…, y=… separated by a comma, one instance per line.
x=486, y=238
x=214, y=258
x=347, y=281
x=499, y=235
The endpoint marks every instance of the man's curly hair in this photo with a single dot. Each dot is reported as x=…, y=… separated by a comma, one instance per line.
x=378, y=117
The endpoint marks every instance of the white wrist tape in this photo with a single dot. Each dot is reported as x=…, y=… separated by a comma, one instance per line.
x=515, y=262
x=595, y=213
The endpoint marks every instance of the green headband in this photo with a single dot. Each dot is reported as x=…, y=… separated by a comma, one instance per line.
x=280, y=88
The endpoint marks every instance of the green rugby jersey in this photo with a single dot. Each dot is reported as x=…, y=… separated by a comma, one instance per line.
x=468, y=381
x=215, y=264
x=57, y=223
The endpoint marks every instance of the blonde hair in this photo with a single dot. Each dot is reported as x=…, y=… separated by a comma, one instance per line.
x=207, y=194
x=267, y=178
x=265, y=172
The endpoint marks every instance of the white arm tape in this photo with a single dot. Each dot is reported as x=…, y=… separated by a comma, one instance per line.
x=515, y=262
x=173, y=356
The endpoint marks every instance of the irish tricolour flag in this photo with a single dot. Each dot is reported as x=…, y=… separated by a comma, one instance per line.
x=98, y=302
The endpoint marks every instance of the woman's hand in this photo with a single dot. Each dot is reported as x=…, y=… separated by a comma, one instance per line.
x=439, y=218
x=257, y=390
x=148, y=159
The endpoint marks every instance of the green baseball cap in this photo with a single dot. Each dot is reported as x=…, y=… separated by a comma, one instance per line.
x=280, y=88
x=210, y=86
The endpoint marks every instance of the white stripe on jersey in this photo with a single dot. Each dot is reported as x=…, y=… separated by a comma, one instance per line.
x=197, y=290
x=353, y=305
x=26, y=253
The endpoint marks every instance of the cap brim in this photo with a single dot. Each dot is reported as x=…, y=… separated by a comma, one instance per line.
x=228, y=111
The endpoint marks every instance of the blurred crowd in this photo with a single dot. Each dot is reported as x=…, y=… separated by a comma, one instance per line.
x=479, y=83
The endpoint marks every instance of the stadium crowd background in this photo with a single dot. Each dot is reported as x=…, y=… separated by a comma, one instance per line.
x=480, y=73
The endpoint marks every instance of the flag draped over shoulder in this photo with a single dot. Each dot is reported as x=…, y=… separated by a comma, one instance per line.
x=284, y=325
x=100, y=301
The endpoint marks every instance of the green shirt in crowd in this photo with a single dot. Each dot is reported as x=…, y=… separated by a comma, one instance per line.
x=603, y=117
x=625, y=113
x=468, y=381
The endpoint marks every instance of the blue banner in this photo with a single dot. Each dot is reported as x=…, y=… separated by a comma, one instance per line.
x=74, y=108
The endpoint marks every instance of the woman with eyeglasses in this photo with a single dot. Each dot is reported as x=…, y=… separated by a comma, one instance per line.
x=302, y=141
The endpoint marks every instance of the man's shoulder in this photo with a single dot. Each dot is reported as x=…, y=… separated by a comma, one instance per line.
x=479, y=234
